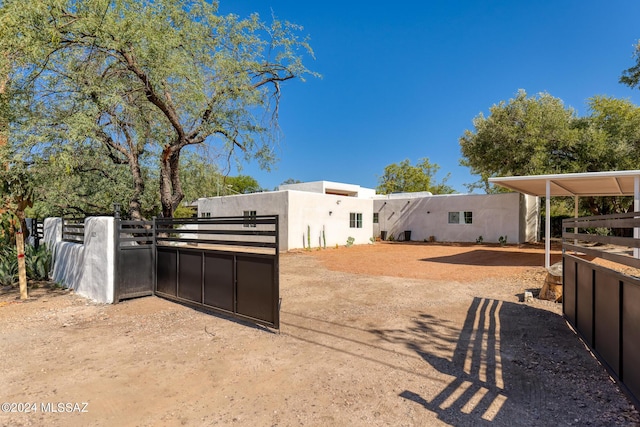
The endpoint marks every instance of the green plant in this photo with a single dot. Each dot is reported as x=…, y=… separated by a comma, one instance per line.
x=502, y=240
x=390, y=238
x=309, y=236
x=350, y=241
x=8, y=265
x=38, y=262
x=479, y=240
x=372, y=240
x=324, y=239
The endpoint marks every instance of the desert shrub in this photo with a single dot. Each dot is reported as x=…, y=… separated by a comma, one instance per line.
x=8, y=265
x=38, y=262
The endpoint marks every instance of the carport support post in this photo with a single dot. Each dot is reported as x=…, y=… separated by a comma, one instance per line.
x=547, y=227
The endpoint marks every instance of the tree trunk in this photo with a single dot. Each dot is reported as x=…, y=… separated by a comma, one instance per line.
x=138, y=189
x=170, y=188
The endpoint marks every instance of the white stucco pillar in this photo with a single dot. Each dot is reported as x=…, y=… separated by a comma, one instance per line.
x=547, y=227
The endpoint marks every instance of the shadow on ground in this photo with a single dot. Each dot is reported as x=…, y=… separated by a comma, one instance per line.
x=512, y=365
x=491, y=258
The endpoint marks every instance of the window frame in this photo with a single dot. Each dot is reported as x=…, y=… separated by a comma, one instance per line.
x=355, y=219
x=249, y=219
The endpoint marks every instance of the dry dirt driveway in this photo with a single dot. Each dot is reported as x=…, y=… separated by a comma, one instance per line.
x=384, y=334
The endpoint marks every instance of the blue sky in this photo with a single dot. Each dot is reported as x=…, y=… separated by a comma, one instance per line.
x=404, y=79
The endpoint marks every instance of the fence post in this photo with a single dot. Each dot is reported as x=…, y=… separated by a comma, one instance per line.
x=116, y=254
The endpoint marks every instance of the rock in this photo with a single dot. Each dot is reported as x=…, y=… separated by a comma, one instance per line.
x=552, y=288
x=528, y=297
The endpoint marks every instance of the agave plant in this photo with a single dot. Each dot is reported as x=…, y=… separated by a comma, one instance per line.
x=38, y=262
x=8, y=265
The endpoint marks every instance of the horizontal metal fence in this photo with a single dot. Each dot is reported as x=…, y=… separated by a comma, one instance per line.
x=603, y=304
x=73, y=230
x=227, y=264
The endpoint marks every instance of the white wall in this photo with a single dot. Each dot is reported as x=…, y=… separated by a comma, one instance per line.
x=494, y=215
x=299, y=210
x=317, y=211
x=86, y=268
x=269, y=203
x=323, y=187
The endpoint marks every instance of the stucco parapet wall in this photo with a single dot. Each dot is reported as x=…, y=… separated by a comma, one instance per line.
x=413, y=195
x=329, y=187
x=88, y=268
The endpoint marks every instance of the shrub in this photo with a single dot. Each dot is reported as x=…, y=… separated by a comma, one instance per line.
x=37, y=263
x=8, y=265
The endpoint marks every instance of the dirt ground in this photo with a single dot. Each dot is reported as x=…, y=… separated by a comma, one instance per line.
x=384, y=334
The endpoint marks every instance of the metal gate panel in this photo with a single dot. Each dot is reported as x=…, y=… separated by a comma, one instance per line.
x=607, y=316
x=190, y=275
x=226, y=264
x=569, y=292
x=584, y=297
x=134, y=269
x=219, y=281
x=167, y=271
x=255, y=288
x=135, y=272
x=630, y=374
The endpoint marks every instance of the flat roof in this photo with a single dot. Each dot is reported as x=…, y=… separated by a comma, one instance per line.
x=610, y=183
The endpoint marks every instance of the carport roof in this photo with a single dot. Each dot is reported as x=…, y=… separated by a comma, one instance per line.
x=612, y=183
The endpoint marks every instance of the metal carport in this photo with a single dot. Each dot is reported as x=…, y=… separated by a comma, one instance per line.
x=610, y=183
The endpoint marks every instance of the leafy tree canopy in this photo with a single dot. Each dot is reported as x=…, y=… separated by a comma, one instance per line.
x=146, y=76
x=534, y=135
x=404, y=177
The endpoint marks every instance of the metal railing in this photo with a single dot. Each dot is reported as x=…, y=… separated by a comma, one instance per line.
x=73, y=230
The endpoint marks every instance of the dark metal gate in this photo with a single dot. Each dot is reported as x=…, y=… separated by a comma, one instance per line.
x=134, y=259
x=229, y=265
x=602, y=304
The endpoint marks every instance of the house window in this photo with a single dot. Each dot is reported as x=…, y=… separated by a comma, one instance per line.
x=375, y=217
x=249, y=218
x=465, y=217
x=206, y=214
x=355, y=220
x=468, y=217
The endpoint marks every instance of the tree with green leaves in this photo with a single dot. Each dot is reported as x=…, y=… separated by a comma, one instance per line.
x=524, y=136
x=631, y=76
x=404, y=177
x=538, y=135
x=148, y=76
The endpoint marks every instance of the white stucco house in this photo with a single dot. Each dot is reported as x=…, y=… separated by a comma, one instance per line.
x=328, y=213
